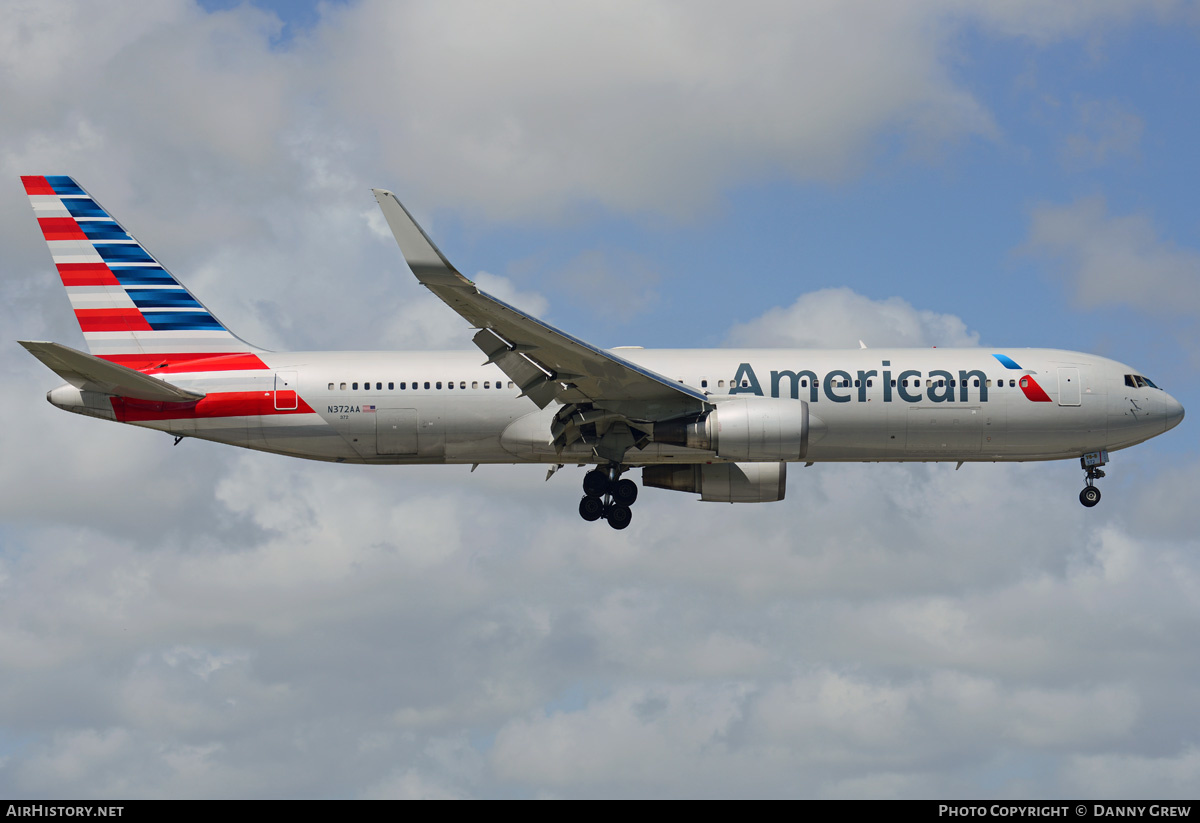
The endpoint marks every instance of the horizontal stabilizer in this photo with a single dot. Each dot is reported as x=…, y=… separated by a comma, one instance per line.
x=88, y=373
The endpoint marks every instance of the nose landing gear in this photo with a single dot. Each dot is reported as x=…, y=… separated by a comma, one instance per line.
x=606, y=495
x=1091, y=464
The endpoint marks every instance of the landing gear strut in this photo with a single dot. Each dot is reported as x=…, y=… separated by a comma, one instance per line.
x=1091, y=464
x=606, y=495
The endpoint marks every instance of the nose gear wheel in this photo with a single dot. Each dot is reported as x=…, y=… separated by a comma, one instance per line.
x=1091, y=464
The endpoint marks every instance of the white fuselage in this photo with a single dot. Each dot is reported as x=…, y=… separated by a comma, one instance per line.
x=866, y=405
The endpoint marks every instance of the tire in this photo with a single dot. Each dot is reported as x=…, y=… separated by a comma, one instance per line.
x=590, y=508
x=1090, y=496
x=619, y=516
x=625, y=492
x=595, y=483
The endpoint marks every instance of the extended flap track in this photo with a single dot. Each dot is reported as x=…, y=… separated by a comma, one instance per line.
x=537, y=382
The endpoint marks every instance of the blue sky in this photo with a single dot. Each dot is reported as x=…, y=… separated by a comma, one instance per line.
x=198, y=621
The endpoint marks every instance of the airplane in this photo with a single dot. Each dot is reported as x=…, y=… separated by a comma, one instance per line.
x=720, y=423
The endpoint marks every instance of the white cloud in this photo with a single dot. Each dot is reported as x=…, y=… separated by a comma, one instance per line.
x=1123, y=776
x=1109, y=259
x=840, y=318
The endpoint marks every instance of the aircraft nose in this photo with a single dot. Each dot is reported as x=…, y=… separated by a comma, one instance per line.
x=1174, y=412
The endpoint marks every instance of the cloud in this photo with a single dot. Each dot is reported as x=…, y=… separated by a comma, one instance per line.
x=657, y=116
x=1114, y=260
x=840, y=318
x=1121, y=776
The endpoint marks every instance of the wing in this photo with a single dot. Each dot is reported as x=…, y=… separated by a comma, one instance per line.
x=547, y=363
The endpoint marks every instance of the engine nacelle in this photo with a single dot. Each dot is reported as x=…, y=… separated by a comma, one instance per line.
x=722, y=482
x=758, y=428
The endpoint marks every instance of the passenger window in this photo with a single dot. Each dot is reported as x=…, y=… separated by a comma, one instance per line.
x=510, y=384
x=869, y=384
x=449, y=385
x=354, y=386
x=403, y=386
x=439, y=384
x=427, y=385
x=487, y=384
x=720, y=384
x=704, y=384
x=976, y=382
x=343, y=387
x=1012, y=384
x=893, y=384
x=474, y=384
x=462, y=384
x=331, y=387
x=378, y=387
x=391, y=386
x=856, y=384
x=745, y=383
x=804, y=383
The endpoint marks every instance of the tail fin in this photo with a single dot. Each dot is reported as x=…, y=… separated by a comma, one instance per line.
x=130, y=308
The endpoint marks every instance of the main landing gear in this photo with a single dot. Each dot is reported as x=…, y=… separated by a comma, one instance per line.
x=606, y=495
x=1091, y=464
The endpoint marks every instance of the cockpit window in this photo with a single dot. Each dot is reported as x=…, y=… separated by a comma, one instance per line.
x=1136, y=381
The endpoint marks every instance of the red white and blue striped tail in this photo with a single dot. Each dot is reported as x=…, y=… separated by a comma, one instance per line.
x=131, y=310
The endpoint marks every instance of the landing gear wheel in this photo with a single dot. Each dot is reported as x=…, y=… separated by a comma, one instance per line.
x=591, y=508
x=595, y=483
x=619, y=516
x=625, y=492
x=1090, y=496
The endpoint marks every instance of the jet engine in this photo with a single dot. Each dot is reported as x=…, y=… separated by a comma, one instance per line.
x=750, y=429
x=722, y=482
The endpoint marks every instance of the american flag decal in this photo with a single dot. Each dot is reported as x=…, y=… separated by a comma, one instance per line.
x=368, y=409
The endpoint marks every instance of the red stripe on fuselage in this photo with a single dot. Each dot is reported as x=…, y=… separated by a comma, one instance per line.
x=36, y=184
x=174, y=362
x=218, y=404
x=61, y=228
x=86, y=274
x=1032, y=390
